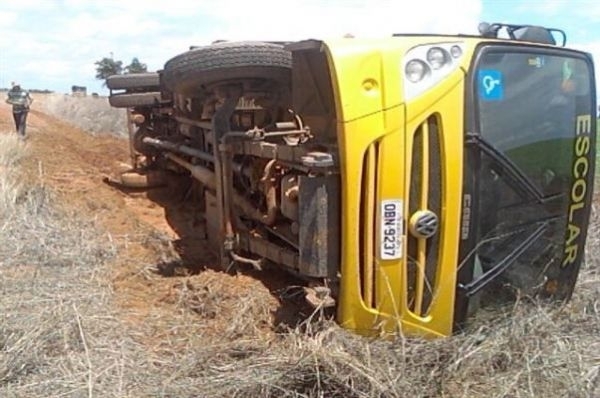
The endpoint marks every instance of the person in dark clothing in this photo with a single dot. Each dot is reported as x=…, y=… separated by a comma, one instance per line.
x=20, y=101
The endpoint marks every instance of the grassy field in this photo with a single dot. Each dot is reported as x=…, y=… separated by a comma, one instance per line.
x=62, y=336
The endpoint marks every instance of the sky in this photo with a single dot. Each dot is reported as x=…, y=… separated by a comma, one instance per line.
x=53, y=44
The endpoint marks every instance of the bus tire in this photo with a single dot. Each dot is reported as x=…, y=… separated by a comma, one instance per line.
x=187, y=73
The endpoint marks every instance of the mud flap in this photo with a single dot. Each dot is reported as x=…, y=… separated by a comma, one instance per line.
x=319, y=210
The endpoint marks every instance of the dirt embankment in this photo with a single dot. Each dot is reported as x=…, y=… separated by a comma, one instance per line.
x=149, y=227
x=115, y=293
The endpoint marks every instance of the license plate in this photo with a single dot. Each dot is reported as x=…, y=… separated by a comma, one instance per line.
x=392, y=211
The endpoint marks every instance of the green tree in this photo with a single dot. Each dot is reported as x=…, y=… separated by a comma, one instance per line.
x=107, y=67
x=136, y=66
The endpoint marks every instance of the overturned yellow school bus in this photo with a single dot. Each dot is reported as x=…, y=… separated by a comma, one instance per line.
x=407, y=180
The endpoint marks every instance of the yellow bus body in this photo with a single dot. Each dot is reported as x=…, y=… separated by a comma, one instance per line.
x=375, y=132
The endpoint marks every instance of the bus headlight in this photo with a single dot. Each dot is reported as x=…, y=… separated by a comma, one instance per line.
x=436, y=57
x=456, y=51
x=415, y=70
x=427, y=65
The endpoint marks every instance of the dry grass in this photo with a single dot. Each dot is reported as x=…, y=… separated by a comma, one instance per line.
x=60, y=334
x=94, y=115
x=50, y=281
x=527, y=351
x=12, y=152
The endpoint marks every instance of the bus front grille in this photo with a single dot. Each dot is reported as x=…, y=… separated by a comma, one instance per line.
x=368, y=209
x=425, y=194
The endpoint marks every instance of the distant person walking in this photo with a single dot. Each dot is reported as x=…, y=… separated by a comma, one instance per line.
x=20, y=101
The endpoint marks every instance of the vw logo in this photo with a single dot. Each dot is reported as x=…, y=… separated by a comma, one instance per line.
x=423, y=224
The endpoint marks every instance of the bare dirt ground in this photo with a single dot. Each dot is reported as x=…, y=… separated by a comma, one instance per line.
x=114, y=293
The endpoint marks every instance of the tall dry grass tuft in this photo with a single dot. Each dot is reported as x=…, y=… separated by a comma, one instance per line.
x=12, y=151
x=50, y=279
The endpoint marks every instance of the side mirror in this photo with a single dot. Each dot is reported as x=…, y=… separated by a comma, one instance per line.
x=538, y=34
x=560, y=37
x=534, y=34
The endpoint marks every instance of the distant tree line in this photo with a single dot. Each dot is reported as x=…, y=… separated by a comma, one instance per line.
x=108, y=66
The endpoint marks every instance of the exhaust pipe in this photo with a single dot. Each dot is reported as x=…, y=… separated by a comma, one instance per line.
x=180, y=148
x=202, y=174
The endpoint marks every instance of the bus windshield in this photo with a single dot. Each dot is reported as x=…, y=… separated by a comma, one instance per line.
x=530, y=108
